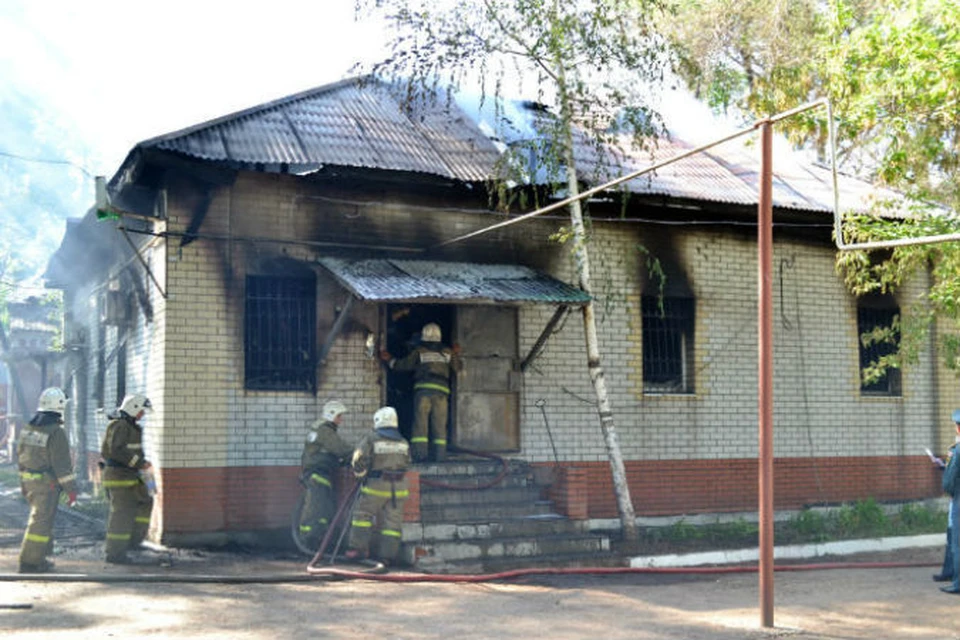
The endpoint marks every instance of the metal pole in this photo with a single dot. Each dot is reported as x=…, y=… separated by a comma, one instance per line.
x=765, y=369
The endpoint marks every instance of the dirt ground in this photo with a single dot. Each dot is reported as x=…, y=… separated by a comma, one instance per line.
x=833, y=604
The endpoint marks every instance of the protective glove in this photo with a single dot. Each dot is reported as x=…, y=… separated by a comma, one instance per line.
x=385, y=356
x=456, y=349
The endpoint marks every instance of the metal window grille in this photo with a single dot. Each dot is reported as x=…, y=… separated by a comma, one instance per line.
x=868, y=319
x=280, y=334
x=667, y=344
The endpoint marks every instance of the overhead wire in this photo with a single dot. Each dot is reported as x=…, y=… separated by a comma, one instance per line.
x=17, y=156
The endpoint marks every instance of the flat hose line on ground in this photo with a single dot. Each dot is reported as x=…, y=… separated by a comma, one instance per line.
x=317, y=574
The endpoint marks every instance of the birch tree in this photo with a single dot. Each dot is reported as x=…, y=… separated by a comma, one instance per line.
x=593, y=60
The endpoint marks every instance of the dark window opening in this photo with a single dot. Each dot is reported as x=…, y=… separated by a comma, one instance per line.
x=280, y=342
x=667, y=344
x=869, y=319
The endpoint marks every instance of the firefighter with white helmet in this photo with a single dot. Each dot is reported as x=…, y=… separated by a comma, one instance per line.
x=46, y=470
x=433, y=366
x=123, y=466
x=323, y=451
x=381, y=461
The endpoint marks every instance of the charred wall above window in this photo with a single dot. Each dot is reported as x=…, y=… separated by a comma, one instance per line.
x=660, y=266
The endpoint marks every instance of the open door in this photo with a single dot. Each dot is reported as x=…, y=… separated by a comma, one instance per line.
x=487, y=407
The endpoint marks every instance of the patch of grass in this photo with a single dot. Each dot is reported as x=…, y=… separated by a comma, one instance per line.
x=862, y=519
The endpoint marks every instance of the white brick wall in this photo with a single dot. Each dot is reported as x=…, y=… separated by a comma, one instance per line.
x=189, y=360
x=818, y=409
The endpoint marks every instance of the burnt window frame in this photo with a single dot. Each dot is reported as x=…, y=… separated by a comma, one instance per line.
x=872, y=312
x=671, y=320
x=273, y=303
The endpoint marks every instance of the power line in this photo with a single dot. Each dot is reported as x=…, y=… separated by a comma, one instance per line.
x=47, y=161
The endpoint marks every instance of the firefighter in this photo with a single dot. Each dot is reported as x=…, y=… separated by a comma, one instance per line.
x=124, y=467
x=432, y=365
x=46, y=470
x=380, y=461
x=323, y=452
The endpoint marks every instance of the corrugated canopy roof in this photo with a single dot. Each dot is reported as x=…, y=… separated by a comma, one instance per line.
x=427, y=280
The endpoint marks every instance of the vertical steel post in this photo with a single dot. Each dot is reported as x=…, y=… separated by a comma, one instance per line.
x=765, y=369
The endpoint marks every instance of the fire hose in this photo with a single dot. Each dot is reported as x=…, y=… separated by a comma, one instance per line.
x=322, y=574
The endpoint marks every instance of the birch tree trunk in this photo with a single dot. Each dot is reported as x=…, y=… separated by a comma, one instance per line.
x=628, y=517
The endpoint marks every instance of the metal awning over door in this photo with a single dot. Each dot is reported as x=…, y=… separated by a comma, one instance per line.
x=487, y=399
x=430, y=281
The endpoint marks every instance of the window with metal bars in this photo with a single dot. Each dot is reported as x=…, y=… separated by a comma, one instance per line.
x=871, y=318
x=280, y=343
x=667, y=344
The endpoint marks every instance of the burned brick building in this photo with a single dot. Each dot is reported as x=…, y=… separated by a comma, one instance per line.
x=263, y=258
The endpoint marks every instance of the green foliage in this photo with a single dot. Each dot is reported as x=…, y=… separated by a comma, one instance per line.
x=862, y=519
x=888, y=271
x=891, y=70
x=808, y=525
x=921, y=518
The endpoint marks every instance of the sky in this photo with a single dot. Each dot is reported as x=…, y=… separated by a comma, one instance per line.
x=119, y=72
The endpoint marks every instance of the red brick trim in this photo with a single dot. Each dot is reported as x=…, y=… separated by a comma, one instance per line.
x=209, y=500
x=671, y=487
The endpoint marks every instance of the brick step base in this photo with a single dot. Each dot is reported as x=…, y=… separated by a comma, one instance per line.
x=476, y=566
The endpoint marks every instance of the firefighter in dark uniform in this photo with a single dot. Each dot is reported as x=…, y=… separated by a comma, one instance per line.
x=380, y=461
x=45, y=470
x=123, y=463
x=323, y=452
x=432, y=365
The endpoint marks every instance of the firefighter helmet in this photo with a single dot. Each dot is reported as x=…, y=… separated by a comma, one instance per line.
x=384, y=418
x=133, y=404
x=333, y=409
x=430, y=332
x=53, y=400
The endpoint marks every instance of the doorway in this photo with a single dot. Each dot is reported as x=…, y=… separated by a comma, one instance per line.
x=403, y=326
x=485, y=399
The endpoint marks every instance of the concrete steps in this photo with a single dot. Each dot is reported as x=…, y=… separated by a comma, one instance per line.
x=496, y=528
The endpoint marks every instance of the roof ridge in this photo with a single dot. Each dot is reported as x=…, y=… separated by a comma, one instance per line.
x=265, y=106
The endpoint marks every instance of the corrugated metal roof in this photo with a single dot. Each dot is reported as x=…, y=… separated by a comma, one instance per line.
x=409, y=280
x=356, y=123
x=727, y=173
x=359, y=123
